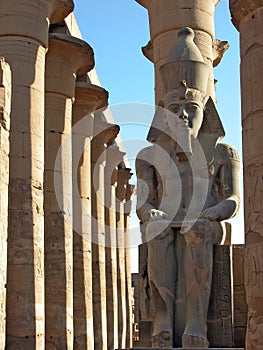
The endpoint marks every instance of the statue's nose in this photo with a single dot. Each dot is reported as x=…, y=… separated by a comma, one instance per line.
x=183, y=115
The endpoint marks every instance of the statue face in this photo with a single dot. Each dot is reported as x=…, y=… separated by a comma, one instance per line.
x=188, y=111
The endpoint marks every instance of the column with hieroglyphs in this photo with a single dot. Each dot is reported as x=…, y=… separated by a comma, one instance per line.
x=67, y=58
x=113, y=158
x=166, y=18
x=5, y=106
x=88, y=98
x=247, y=17
x=23, y=42
x=129, y=293
x=123, y=179
x=103, y=134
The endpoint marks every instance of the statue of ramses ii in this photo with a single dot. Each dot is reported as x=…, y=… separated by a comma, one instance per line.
x=188, y=182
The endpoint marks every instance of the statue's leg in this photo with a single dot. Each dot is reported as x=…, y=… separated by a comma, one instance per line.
x=198, y=263
x=162, y=275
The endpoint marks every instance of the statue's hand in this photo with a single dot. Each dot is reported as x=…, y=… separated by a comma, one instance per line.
x=212, y=214
x=155, y=214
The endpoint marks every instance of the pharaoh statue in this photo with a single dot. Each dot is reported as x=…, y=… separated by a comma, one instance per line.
x=187, y=184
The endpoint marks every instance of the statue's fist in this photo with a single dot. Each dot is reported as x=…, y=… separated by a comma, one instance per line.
x=211, y=214
x=155, y=214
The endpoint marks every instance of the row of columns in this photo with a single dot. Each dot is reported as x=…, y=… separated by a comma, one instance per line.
x=61, y=268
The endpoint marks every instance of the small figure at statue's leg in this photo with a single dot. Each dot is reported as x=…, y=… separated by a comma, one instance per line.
x=162, y=275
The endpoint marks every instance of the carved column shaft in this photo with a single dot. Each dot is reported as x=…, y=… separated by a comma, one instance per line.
x=103, y=134
x=67, y=57
x=113, y=158
x=123, y=178
x=166, y=18
x=23, y=42
x=5, y=105
x=129, y=296
x=247, y=16
x=88, y=98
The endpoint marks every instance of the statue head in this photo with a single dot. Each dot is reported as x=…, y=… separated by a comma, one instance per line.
x=185, y=80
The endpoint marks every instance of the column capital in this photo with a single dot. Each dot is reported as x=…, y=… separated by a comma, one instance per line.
x=60, y=9
x=103, y=134
x=239, y=9
x=130, y=190
x=124, y=176
x=219, y=49
x=144, y=3
x=67, y=58
x=113, y=158
x=91, y=97
x=147, y=51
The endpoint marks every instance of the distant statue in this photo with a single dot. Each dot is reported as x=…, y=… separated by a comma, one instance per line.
x=187, y=183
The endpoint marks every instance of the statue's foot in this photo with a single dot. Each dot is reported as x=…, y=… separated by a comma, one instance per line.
x=163, y=339
x=191, y=341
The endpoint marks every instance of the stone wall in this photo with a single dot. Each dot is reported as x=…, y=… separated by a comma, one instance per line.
x=62, y=273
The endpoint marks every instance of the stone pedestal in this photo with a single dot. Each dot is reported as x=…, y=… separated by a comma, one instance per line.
x=88, y=98
x=67, y=58
x=166, y=18
x=23, y=42
x=247, y=16
x=5, y=105
x=123, y=178
x=104, y=133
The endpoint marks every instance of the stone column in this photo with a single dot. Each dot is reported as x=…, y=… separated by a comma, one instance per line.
x=23, y=42
x=5, y=105
x=103, y=133
x=67, y=58
x=123, y=178
x=113, y=157
x=129, y=296
x=88, y=98
x=166, y=18
x=247, y=17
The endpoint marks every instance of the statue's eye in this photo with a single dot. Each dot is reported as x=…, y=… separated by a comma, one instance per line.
x=192, y=107
x=174, y=108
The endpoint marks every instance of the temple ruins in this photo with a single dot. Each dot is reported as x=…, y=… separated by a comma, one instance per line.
x=65, y=199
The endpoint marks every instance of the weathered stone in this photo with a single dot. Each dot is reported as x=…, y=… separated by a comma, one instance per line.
x=60, y=91
x=86, y=97
x=103, y=133
x=129, y=292
x=247, y=16
x=239, y=296
x=188, y=184
x=122, y=182
x=198, y=15
x=23, y=41
x=219, y=318
x=5, y=109
x=113, y=158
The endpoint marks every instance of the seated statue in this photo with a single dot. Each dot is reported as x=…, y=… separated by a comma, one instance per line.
x=188, y=182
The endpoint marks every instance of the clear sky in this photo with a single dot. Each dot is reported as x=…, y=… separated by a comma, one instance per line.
x=117, y=29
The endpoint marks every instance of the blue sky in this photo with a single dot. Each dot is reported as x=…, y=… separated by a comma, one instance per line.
x=117, y=29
